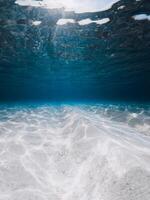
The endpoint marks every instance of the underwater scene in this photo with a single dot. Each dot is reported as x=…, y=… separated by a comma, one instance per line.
x=74, y=100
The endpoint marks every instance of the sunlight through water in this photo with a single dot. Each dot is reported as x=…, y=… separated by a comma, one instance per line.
x=71, y=5
x=74, y=153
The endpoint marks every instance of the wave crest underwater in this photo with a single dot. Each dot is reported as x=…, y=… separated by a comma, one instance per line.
x=74, y=152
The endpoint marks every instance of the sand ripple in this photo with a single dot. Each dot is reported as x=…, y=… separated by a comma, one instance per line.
x=74, y=153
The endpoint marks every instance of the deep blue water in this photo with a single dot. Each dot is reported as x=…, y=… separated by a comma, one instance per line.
x=109, y=62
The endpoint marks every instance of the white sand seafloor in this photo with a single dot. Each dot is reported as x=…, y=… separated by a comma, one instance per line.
x=74, y=153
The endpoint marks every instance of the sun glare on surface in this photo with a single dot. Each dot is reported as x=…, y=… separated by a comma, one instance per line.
x=78, y=6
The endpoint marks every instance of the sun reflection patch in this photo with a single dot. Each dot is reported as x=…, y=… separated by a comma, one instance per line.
x=71, y=5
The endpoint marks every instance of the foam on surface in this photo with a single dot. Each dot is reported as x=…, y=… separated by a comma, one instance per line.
x=65, y=21
x=89, y=21
x=36, y=23
x=74, y=153
x=142, y=17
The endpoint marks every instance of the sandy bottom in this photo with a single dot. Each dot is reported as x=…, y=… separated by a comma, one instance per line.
x=73, y=153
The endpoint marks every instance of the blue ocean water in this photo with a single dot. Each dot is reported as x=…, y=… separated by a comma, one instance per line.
x=70, y=62
x=75, y=100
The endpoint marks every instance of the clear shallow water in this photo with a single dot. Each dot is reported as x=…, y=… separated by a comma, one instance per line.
x=66, y=152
